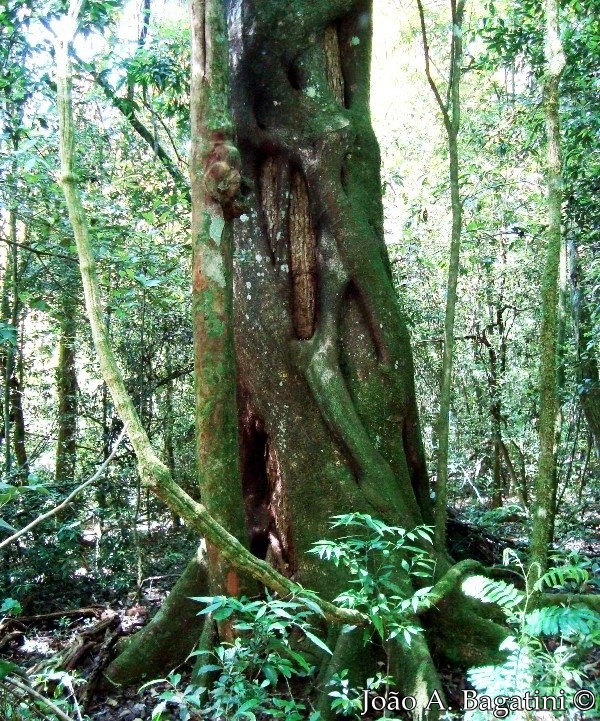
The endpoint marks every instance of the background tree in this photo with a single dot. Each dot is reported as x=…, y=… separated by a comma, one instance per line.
x=545, y=498
x=450, y=111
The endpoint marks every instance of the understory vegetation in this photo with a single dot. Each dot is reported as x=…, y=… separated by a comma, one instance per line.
x=416, y=553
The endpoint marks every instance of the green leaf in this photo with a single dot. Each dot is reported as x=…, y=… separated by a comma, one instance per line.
x=314, y=607
x=7, y=667
x=223, y=613
x=6, y=526
x=209, y=609
x=317, y=641
x=270, y=673
x=12, y=606
x=208, y=668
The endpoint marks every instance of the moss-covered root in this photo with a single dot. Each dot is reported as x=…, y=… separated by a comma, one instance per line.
x=460, y=629
x=209, y=638
x=161, y=645
x=349, y=653
x=415, y=675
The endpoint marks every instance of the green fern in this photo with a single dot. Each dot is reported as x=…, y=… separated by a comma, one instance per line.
x=531, y=665
x=512, y=678
x=562, y=576
x=568, y=622
x=487, y=590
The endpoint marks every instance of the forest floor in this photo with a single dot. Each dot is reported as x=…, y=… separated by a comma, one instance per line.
x=80, y=641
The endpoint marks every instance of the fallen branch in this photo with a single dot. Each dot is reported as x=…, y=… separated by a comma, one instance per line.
x=70, y=613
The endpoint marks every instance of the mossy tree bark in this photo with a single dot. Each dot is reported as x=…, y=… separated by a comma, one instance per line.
x=545, y=487
x=587, y=366
x=66, y=384
x=214, y=160
x=328, y=417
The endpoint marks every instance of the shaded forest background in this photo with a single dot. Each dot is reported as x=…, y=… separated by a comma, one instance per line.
x=131, y=109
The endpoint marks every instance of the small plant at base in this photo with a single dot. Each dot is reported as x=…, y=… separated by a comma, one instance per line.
x=373, y=557
x=21, y=701
x=252, y=670
x=348, y=701
x=10, y=607
x=187, y=700
x=544, y=654
x=255, y=670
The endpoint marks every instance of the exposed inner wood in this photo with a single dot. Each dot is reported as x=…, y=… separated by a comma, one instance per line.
x=303, y=264
x=284, y=557
x=274, y=200
x=333, y=65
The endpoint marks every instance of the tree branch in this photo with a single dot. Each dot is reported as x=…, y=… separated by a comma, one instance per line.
x=68, y=499
x=125, y=106
x=432, y=84
x=37, y=252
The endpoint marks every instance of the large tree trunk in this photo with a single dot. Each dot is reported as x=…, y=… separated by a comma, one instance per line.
x=328, y=417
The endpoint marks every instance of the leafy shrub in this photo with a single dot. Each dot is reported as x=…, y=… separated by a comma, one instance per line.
x=373, y=557
x=20, y=699
x=254, y=673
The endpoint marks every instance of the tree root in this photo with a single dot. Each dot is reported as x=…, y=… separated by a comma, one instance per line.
x=161, y=645
x=349, y=654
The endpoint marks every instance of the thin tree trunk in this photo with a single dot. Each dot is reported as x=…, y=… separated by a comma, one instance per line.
x=588, y=378
x=450, y=110
x=441, y=499
x=543, y=508
x=18, y=417
x=66, y=381
x=215, y=184
x=11, y=313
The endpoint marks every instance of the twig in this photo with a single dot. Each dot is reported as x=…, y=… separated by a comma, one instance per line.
x=88, y=611
x=28, y=691
x=38, y=252
x=67, y=500
x=432, y=84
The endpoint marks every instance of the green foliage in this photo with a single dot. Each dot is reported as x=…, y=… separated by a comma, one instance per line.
x=252, y=675
x=10, y=607
x=348, y=701
x=49, y=696
x=546, y=652
x=372, y=557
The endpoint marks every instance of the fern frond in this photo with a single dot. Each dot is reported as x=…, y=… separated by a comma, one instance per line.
x=562, y=621
x=487, y=590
